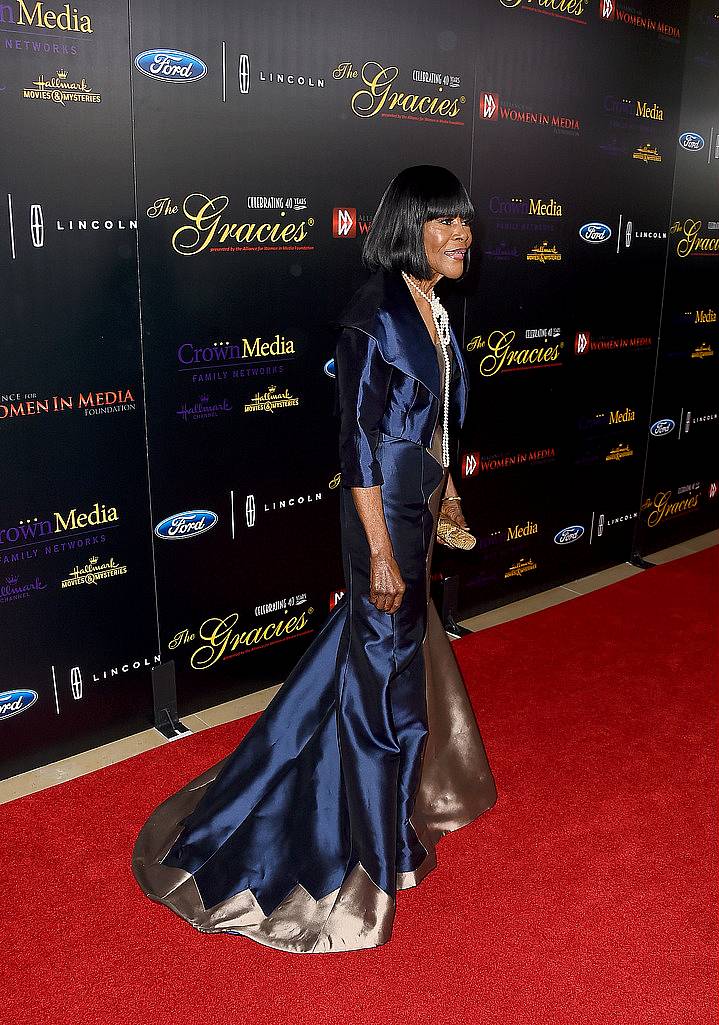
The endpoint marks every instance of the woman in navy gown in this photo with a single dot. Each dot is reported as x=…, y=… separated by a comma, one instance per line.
x=370, y=751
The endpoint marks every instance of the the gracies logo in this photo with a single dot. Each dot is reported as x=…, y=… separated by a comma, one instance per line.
x=573, y=7
x=205, y=228
x=499, y=355
x=377, y=95
x=222, y=638
x=690, y=240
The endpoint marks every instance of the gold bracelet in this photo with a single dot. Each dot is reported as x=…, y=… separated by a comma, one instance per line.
x=452, y=498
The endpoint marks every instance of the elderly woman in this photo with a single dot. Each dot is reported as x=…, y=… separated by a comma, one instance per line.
x=369, y=752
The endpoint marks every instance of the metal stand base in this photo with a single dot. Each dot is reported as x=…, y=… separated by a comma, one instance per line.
x=637, y=560
x=164, y=695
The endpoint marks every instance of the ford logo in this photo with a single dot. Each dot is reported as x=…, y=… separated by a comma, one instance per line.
x=13, y=702
x=170, y=65
x=186, y=524
x=330, y=368
x=595, y=231
x=662, y=427
x=566, y=535
x=691, y=141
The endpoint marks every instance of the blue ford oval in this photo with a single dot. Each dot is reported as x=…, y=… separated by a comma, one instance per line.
x=595, y=231
x=182, y=525
x=171, y=65
x=691, y=141
x=330, y=368
x=566, y=535
x=13, y=702
x=662, y=427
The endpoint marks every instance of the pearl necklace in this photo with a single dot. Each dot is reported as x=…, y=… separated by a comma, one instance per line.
x=441, y=323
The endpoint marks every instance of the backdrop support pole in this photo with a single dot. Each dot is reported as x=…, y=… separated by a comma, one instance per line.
x=450, y=600
x=164, y=695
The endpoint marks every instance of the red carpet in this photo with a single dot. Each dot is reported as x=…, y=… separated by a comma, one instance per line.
x=586, y=895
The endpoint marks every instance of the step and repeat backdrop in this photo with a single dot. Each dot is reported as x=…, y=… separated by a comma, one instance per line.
x=185, y=193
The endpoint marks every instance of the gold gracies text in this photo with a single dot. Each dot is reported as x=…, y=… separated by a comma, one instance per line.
x=379, y=95
x=205, y=227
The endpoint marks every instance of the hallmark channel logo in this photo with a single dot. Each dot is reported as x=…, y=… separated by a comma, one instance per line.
x=204, y=228
x=271, y=400
x=171, y=65
x=204, y=409
x=92, y=572
x=180, y=526
x=377, y=95
x=15, y=589
x=61, y=89
x=491, y=108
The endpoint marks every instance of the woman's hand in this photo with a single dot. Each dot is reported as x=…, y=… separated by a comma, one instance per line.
x=452, y=507
x=386, y=586
x=453, y=511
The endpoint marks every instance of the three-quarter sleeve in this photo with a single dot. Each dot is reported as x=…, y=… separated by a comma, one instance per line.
x=363, y=378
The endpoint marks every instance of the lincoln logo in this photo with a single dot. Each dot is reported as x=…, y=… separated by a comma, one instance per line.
x=37, y=226
x=243, y=73
x=344, y=222
x=250, y=510
x=628, y=234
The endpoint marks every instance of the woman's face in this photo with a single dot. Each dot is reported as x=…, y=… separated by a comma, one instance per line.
x=446, y=241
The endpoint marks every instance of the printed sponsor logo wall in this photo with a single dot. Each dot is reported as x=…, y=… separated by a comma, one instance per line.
x=184, y=204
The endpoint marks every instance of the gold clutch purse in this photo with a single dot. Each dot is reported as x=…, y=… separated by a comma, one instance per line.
x=454, y=536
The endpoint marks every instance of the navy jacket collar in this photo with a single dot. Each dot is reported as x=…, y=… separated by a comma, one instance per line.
x=384, y=308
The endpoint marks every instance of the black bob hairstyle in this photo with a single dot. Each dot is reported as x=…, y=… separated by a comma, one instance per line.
x=418, y=194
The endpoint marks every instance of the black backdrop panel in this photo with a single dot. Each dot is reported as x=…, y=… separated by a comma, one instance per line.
x=77, y=590
x=184, y=204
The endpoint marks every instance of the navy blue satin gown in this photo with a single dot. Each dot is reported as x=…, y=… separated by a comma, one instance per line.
x=366, y=756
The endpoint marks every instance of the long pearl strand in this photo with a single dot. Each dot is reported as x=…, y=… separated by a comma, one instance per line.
x=441, y=322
